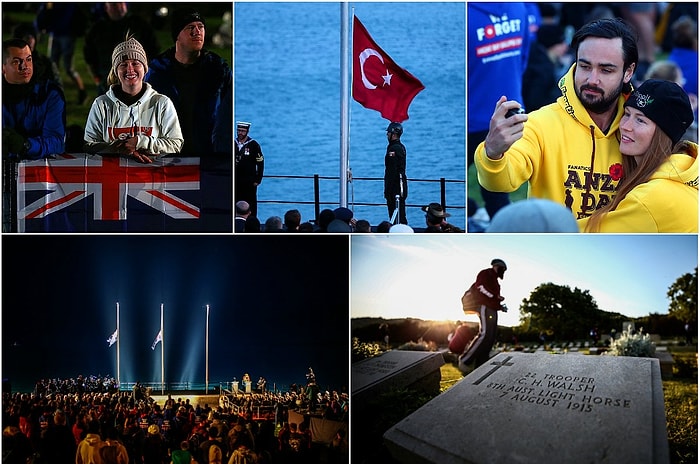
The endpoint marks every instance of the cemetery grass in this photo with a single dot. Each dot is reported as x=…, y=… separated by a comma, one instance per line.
x=681, y=402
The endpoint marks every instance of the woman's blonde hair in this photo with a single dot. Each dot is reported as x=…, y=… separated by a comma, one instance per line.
x=660, y=148
x=112, y=77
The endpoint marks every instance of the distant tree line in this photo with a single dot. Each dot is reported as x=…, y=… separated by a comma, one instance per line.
x=562, y=313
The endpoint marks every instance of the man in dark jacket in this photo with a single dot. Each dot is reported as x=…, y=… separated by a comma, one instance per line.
x=395, y=182
x=484, y=299
x=195, y=79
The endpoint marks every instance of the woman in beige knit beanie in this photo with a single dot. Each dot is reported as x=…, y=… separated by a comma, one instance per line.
x=132, y=119
x=128, y=58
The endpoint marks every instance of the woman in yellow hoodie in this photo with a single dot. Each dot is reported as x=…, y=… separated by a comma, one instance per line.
x=658, y=190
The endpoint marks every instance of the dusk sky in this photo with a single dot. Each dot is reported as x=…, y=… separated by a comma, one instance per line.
x=425, y=276
x=277, y=307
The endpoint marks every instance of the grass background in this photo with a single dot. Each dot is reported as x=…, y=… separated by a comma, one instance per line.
x=15, y=13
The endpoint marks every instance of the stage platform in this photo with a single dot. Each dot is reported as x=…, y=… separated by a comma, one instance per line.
x=212, y=399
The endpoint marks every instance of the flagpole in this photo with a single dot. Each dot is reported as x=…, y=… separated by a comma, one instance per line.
x=206, y=361
x=162, y=353
x=344, y=104
x=118, y=337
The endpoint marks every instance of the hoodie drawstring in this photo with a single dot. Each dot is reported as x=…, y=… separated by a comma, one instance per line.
x=589, y=182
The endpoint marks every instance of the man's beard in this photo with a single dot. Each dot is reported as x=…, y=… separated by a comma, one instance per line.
x=602, y=105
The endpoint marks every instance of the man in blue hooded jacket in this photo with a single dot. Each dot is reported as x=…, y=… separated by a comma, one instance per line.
x=33, y=111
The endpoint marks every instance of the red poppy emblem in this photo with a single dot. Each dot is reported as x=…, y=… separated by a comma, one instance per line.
x=616, y=171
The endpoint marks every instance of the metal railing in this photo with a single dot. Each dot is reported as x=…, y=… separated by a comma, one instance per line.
x=318, y=202
x=214, y=388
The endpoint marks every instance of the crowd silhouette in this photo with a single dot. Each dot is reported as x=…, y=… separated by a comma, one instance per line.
x=89, y=419
x=340, y=220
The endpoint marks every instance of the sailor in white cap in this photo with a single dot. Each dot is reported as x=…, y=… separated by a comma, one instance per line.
x=250, y=165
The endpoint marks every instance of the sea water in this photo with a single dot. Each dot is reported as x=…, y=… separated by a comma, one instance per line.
x=287, y=60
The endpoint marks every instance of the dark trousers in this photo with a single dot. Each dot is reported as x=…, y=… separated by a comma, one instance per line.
x=480, y=347
x=391, y=206
x=249, y=194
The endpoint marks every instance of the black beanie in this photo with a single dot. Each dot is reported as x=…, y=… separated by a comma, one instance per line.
x=550, y=34
x=181, y=18
x=665, y=103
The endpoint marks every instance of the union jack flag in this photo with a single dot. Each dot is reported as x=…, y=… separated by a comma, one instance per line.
x=104, y=185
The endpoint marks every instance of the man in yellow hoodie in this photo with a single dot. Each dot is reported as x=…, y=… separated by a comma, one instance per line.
x=567, y=151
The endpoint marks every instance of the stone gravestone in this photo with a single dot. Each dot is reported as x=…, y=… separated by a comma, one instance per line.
x=522, y=408
x=396, y=369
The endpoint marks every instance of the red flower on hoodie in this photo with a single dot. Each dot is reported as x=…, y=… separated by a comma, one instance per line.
x=616, y=171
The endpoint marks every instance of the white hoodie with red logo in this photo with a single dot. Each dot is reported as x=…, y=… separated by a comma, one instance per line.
x=152, y=118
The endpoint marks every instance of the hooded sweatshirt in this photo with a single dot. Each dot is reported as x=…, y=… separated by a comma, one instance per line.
x=89, y=450
x=559, y=145
x=152, y=118
x=666, y=203
x=484, y=291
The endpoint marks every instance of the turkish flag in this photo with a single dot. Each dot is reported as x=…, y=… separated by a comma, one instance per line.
x=378, y=82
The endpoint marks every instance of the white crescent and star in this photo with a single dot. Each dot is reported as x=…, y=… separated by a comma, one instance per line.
x=364, y=56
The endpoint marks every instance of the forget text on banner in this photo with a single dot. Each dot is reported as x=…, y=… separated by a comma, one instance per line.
x=378, y=83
